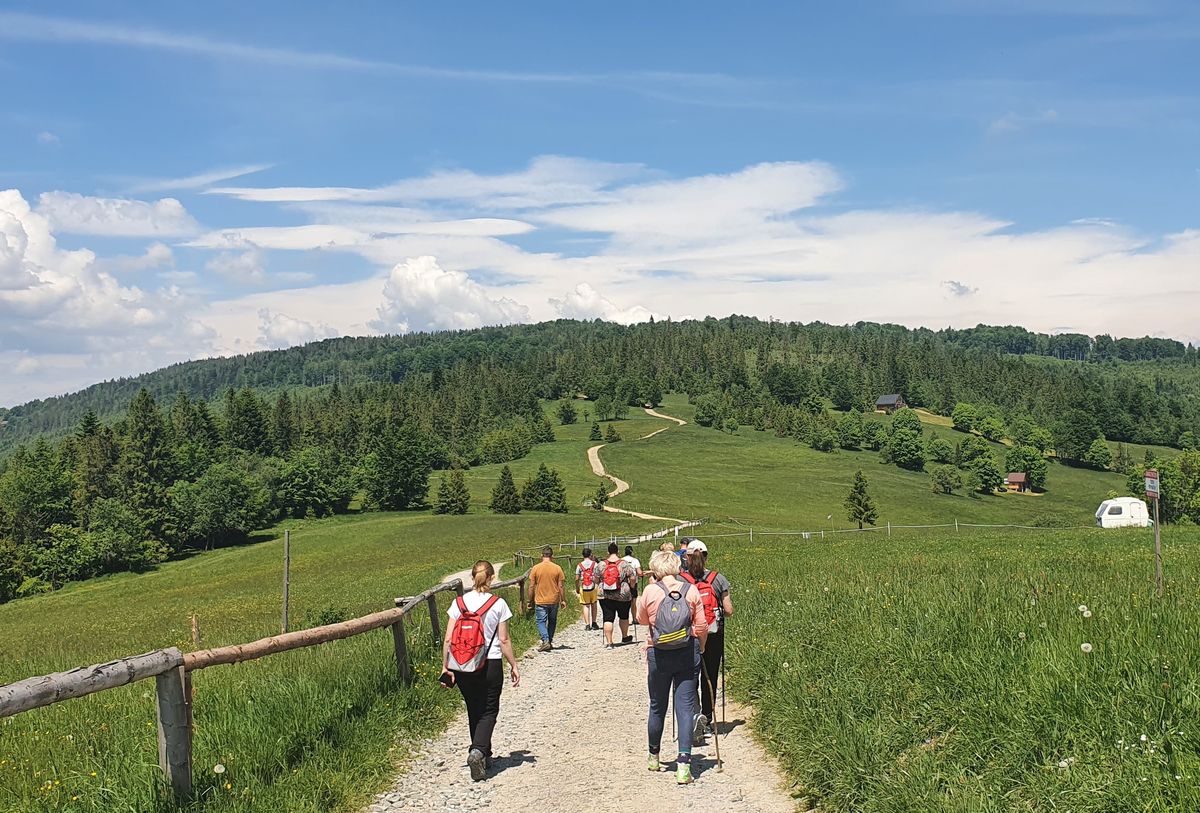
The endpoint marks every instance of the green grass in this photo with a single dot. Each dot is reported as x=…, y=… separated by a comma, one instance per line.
x=944, y=672
x=316, y=729
x=778, y=483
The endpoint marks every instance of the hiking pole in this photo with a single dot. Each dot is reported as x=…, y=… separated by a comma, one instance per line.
x=722, y=688
x=712, y=689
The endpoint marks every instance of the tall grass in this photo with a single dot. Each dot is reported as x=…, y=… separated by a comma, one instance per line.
x=948, y=673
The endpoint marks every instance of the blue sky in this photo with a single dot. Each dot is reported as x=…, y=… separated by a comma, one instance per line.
x=190, y=181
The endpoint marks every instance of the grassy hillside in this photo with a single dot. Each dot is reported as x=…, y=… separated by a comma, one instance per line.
x=303, y=731
x=777, y=483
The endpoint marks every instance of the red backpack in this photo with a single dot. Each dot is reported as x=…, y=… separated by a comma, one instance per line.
x=708, y=598
x=612, y=576
x=467, y=650
x=586, y=574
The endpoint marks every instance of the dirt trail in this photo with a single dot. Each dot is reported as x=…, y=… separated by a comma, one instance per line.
x=465, y=576
x=620, y=486
x=572, y=739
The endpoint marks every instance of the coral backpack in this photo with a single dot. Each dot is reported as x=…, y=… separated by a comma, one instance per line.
x=708, y=596
x=612, y=576
x=467, y=650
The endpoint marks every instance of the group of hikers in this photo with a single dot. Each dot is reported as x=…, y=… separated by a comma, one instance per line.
x=682, y=608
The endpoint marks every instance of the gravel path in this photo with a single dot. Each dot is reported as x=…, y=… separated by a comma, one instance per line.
x=464, y=576
x=620, y=486
x=555, y=755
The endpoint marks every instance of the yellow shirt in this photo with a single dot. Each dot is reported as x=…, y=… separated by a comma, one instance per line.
x=547, y=580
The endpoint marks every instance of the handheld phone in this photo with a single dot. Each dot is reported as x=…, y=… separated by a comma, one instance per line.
x=446, y=679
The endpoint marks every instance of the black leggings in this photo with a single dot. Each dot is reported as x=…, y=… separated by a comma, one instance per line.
x=714, y=651
x=481, y=692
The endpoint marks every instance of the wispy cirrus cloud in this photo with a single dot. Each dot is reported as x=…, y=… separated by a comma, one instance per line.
x=197, y=181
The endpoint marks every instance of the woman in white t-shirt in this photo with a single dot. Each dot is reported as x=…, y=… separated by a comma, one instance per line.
x=481, y=689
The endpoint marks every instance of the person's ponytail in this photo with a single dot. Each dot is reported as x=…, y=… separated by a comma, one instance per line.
x=696, y=563
x=482, y=574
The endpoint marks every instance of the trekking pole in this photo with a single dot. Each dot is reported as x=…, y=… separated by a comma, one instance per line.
x=722, y=688
x=712, y=688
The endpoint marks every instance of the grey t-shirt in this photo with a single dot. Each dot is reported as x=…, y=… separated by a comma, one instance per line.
x=721, y=588
x=627, y=575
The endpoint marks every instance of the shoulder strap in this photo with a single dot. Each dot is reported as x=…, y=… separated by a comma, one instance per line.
x=462, y=605
x=688, y=577
x=711, y=577
x=487, y=605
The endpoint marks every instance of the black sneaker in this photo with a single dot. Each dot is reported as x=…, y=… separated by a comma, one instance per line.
x=477, y=762
x=596, y=627
x=628, y=639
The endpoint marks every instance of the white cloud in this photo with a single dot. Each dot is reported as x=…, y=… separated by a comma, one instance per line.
x=156, y=255
x=585, y=302
x=276, y=330
x=61, y=310
x=1012, y=122
x=246, y=268
x=48, y=138
x=198, y=181
x=420, y=295
x=115, y=217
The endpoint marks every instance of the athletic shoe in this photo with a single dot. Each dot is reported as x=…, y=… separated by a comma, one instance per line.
x=596, y=627
x=652, y=763
x=544, y=646
x=699, y=726
x=477, y=762
x=683, y=773
x=628, y=639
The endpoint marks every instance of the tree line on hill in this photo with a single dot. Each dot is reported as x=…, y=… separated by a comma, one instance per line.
x=1143, y=390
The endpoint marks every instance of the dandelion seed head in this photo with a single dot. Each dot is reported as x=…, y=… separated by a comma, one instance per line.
x=218, y=769
x=1085, y=647
x=1087, y=613
x=1083, y=608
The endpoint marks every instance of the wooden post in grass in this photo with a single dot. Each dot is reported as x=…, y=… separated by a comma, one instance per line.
x=434, y=621
x=175, y=730
x=521, y=589
x=889, y=528
x=956, y=525
x=402, y=666
x=287, y=566
x=195, y=632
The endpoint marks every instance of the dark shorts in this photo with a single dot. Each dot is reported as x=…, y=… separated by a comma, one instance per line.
x=611, y=608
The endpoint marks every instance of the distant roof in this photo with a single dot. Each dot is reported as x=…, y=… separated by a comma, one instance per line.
x=885, y=400
x=1015, y=477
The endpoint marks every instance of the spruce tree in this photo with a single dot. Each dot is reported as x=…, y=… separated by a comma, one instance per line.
x=566, y=412
x=396, y=473
x=146, y=464
x=595, y=433
x=283, y=426
x=860, y=507
x=611, y=435
x=505, y=499
x=452, y=496
x=601, y=497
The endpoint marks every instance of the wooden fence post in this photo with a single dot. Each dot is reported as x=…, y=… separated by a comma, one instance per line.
x=195, y=632
x=434, y=622
x=402, y=666
x=521, y=588
x=175, y=730
x=287, y=568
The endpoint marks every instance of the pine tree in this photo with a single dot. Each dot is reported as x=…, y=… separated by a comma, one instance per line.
x=566, y=412
x=860, y=507
x=611, y=435
x=146, y=464
x=601, y=498
x=452, y=496
x=595, y=433
x=505, y=499
x=283, y=426
x=396, y=472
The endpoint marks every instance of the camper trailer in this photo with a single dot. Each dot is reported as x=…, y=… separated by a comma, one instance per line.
x=1123, y=512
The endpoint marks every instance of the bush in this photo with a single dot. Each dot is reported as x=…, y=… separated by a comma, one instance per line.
x=945, y=479
x=939, y=450
x=904, y=449
x=907, y=419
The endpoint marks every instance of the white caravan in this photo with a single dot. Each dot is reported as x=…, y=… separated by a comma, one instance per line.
x=1123, y=512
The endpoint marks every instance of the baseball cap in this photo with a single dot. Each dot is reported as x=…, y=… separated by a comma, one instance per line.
x=697, y=546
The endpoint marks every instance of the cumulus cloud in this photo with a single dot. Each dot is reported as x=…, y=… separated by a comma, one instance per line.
x=76, y=320
x=48, y=138
x=421, y=295
x=957, y=288
x=245, y=268
x=585, y=302
x=278, y=330
x=115, y=217
x=156, y=255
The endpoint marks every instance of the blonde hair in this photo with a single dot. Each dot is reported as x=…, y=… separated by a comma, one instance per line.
x=483, y=573
x=664, y=563
x=667, y=546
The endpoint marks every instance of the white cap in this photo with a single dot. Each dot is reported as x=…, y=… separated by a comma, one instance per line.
x=697, y=546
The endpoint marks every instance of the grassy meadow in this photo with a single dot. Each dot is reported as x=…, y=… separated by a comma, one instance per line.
x=926, y=671
x=934, y=671
x=312, y=730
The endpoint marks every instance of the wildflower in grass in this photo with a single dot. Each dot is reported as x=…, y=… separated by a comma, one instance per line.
x=1143, y=738
x=1087, y=613
x=218, y=769
x=1085, y=647
x=1021, y=635
x=1083, y=608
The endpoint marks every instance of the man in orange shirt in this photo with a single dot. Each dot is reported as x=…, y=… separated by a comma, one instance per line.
x=547, y=580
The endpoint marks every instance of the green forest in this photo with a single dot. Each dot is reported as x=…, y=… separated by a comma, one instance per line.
x=126, y=474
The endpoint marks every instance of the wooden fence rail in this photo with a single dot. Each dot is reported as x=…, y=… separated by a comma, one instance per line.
x=172, y=670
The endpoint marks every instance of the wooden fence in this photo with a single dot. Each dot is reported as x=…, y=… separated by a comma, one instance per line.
x=172, y=673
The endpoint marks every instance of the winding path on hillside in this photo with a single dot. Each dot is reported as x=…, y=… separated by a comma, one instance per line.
x=464, y=576
x=620, y=486
x=571, y=739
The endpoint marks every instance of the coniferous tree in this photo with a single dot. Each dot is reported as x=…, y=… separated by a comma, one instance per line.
x=505, y=499
x=283, y=426
x=611, y=435
x=566, y=412
x=1098, y=455
x=595, y=433
x=600, y=498
x=860, y=507
x=453, y=496
x=396, y=472
x=146, y=464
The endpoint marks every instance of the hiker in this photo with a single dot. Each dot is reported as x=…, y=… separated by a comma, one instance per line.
x=547, y=578
x=617, y=578
x=585, y=589
x=636, y=564
x=665, y=547
x=674, y=614
x=715, y=595
x=684, y=541
x=471, y=659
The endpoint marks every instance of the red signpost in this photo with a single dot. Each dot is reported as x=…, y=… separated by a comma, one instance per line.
x=1152, y=492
